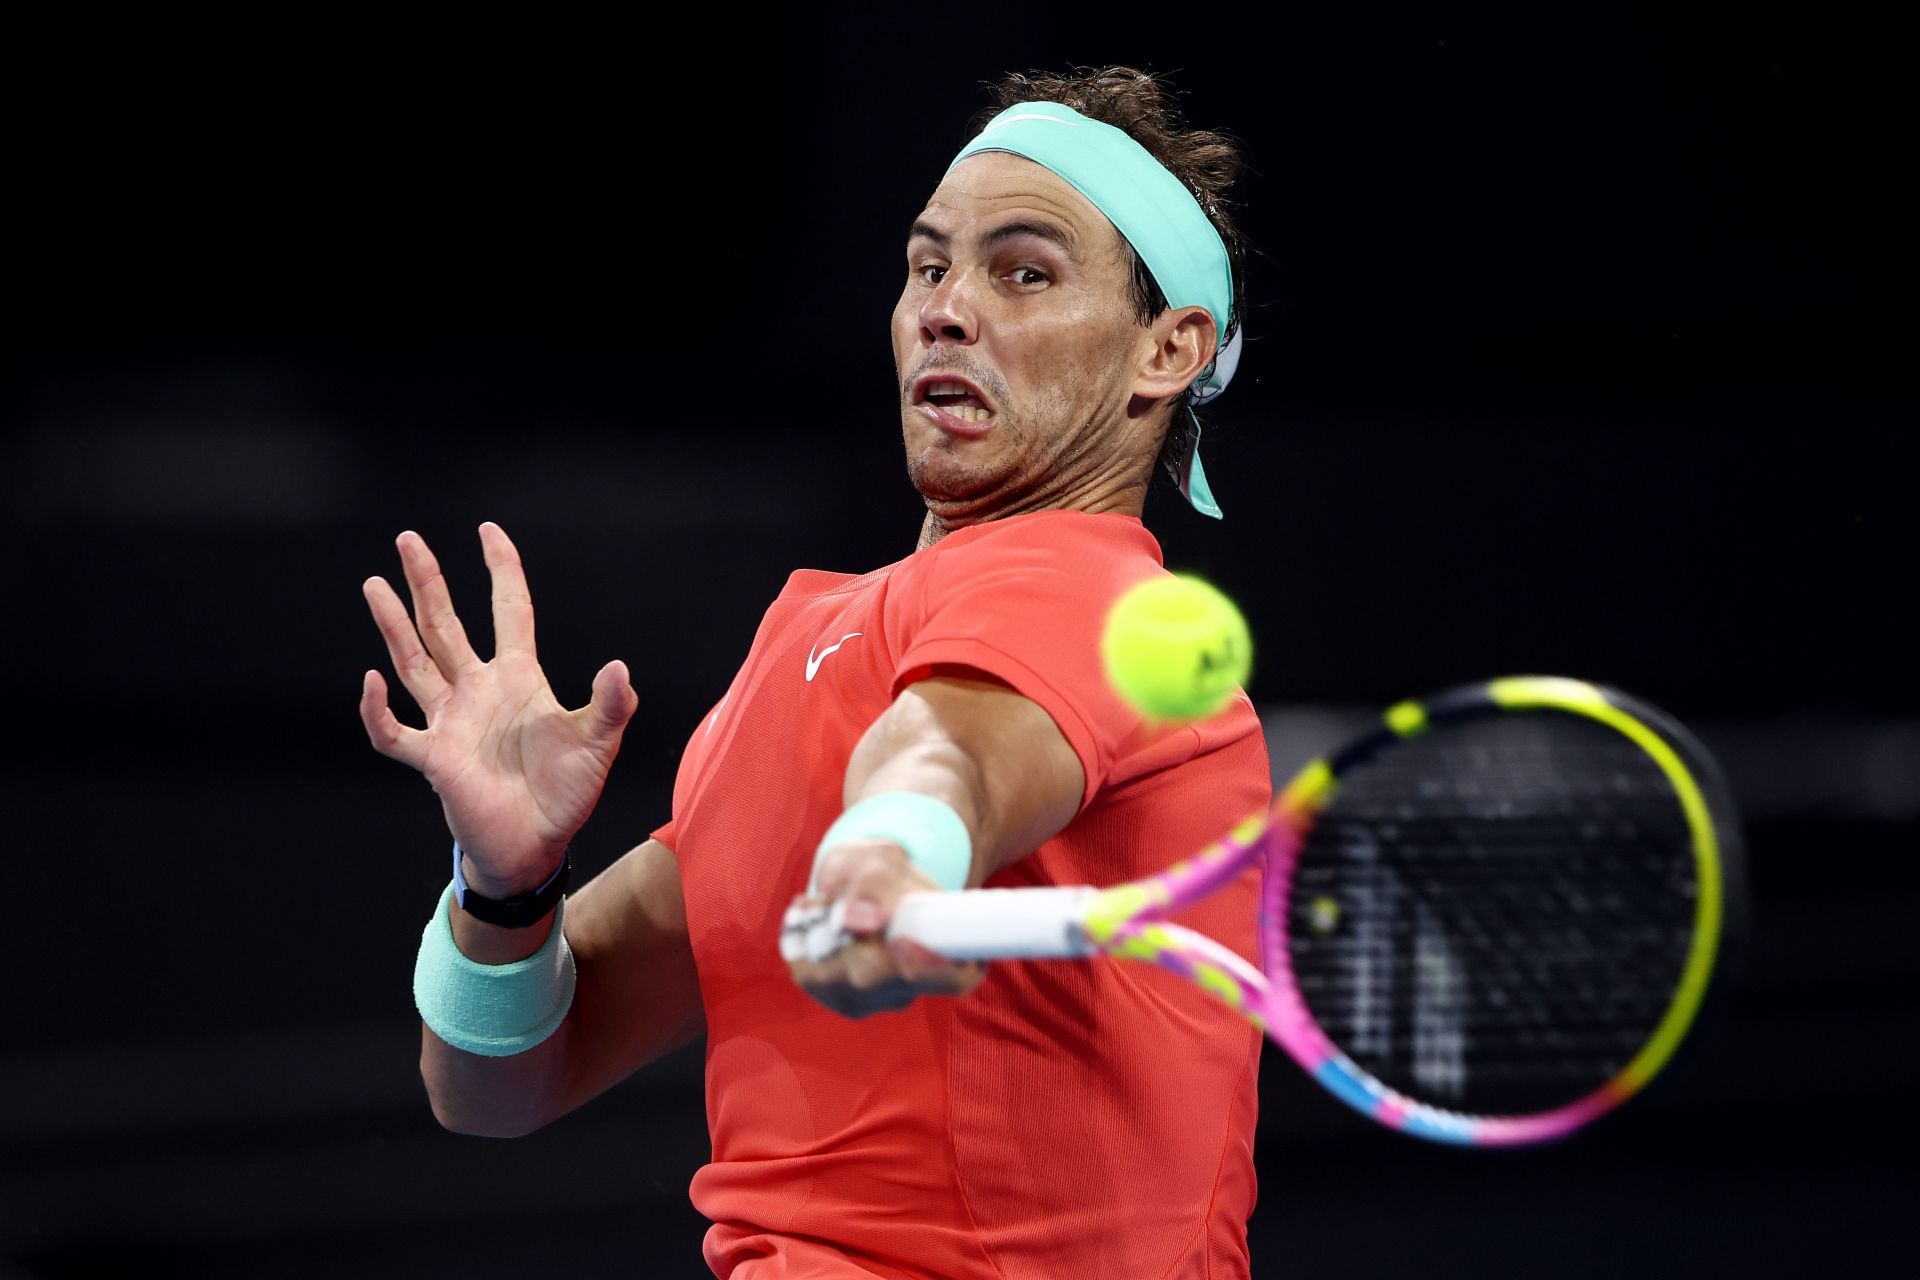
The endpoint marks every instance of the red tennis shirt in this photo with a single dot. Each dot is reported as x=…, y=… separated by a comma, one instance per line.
x=1067, y=1119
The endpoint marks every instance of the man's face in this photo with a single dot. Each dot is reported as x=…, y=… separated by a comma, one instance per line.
x=1015, y=341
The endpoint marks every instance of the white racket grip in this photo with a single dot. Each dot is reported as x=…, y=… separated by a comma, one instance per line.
x=996, y=924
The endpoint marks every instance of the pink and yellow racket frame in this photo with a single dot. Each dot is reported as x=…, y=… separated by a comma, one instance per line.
x=1130, y=920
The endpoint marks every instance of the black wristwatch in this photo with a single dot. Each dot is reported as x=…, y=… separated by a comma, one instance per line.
x=522, y=910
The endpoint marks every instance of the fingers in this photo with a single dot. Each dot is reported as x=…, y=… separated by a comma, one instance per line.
x=871, y=875
x=852, y=1002
x=875, y=965
x=389, y=737
x=917, y=964
x=868, y=973
x=512, y=602
x=849, y=1001
x=439, y=625
x=410, y=660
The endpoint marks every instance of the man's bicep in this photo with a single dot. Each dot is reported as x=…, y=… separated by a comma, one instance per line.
x=638, y=994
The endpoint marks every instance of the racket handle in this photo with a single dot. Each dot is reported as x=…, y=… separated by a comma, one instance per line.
x=996, y=924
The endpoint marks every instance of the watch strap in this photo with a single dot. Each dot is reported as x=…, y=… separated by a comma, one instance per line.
x=522, y=910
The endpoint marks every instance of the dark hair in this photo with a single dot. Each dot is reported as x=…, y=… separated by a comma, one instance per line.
x=1142, y=105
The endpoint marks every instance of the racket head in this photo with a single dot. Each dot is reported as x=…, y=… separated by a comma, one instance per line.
x=1494, y=917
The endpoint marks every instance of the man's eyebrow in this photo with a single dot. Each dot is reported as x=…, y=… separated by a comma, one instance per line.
x=924, y=230
x=1051, y=232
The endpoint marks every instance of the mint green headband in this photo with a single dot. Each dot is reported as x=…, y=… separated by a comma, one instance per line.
x=1151, y=208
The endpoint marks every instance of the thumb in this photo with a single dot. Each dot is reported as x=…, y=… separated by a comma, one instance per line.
x=880, y=875
x=614, y=701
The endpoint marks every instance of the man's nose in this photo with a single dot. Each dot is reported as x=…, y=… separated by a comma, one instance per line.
x=948, y=314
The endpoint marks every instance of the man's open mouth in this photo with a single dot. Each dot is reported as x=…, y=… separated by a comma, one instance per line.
x=955, y=397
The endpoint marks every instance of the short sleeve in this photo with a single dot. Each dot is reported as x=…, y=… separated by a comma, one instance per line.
x=1023, y=602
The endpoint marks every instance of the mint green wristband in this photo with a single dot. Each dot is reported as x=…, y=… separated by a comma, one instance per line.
x=492, y=1009
x=928, y=829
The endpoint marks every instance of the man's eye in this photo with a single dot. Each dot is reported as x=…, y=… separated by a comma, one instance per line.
x=931, y=273
x=1027, y=276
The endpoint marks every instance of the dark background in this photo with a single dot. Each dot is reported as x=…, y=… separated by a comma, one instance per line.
x=1583, y=348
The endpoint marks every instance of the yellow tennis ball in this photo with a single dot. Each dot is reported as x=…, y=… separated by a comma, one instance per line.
x=1176, y=648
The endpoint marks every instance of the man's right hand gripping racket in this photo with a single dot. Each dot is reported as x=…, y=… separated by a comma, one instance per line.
x=1488, y=921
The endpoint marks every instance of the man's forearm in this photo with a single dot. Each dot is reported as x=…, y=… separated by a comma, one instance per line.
x=991, y=755
x=636, y=996
x=504, y=1097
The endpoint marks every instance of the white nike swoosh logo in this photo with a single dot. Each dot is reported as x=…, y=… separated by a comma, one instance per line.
x=813, y=663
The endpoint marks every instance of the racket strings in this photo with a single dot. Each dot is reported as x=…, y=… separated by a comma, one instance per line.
x=1494, y=916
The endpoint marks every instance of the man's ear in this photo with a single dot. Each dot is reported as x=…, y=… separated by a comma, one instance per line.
x=1175, y=350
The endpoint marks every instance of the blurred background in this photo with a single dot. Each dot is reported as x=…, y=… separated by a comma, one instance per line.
x=1584, y=347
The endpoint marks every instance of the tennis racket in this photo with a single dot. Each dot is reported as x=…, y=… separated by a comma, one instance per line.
x=1487, y=921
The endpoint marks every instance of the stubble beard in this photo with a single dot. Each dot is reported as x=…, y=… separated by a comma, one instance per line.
x=941, y=476
x=945, y=479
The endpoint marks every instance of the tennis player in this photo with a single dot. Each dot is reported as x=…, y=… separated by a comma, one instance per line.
x=938, y=723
